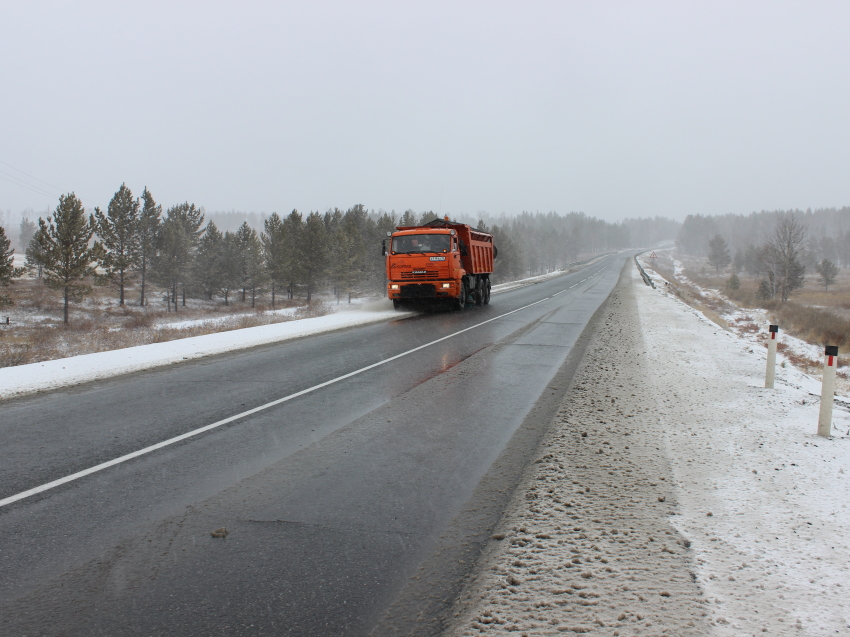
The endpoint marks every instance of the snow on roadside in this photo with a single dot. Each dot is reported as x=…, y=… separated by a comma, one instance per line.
x=669, y=463
x=762, y=498
x=219, y=320
x=751, y=325
x=63, y=372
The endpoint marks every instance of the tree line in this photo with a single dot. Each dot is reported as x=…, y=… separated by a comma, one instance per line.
x=181, y=254
x=776, y=247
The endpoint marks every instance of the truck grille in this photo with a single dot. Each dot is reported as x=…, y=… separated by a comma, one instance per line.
x=421, y=274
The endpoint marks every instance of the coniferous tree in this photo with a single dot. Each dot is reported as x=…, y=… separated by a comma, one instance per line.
x=176, y=244
x=827, y=273
x=253, y=270
x=63, y=249
x=118, y=234
x=292, y=234
x=230, y=265
x=337, y=249
x=408, y=218
x=8, y=271
x=26, y=232
x=147, y=228
x=275, y=254
x=312, y=252
x=208, y=262
x=718, y=253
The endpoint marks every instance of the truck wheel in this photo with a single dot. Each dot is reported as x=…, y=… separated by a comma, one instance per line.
x=460, y=303
x=396, y=304
x=486, y=290
x=479, y=294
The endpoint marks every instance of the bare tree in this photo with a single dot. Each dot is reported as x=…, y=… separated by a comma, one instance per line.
x=785, y=256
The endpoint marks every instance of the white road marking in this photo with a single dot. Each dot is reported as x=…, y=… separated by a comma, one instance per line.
x=165, y=443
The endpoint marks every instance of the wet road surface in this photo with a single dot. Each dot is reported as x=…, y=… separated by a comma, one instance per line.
x=337, y=503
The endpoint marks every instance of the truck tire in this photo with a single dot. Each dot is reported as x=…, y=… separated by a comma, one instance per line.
x=396, y=304
x=486, y=290
x=479, y=293
x=460, y=302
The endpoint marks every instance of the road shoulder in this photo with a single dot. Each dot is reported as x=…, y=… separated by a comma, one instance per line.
x=587, y=544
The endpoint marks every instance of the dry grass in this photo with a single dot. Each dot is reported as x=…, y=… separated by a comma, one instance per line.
x=98, y=324
x=812, y=314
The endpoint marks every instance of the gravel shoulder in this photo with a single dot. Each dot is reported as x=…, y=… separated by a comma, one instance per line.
x=673, y=494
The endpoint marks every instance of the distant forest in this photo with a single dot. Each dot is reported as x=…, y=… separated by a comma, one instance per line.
x=189, y=253
x=827, y=232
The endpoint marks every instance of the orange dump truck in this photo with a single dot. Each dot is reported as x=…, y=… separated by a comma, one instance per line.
x=439, y=262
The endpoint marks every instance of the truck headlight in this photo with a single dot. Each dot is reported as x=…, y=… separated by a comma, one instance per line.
x=447, y=285
x=394, y=286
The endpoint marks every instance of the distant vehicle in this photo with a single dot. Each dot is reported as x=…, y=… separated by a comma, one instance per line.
x=440, y=262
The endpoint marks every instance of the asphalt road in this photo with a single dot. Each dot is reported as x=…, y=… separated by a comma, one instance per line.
x=352, y=509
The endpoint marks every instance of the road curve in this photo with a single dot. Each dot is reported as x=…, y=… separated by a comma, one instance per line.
x=353, y=507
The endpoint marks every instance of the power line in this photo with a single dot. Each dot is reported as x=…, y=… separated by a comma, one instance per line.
x=25, y=185
x=34, y=188
x=28, y=175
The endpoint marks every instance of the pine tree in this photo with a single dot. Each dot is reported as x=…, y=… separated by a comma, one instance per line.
x=230, y=265
x=26, y=232
x=64, y=251
x=408, y=218
x=207, y=265
x=147, y=228
x=827, y=273
x=718, y=253
x=312, y=252
x=8, y=271
x=176, y=244
x=118, y=234
x=292, y=234
x=275, y=254
x=253, y=270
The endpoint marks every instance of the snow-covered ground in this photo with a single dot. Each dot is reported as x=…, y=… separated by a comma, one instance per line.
x=674, y=494
x=753, y=322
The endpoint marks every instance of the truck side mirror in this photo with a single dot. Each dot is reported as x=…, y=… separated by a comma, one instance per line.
x=384, y=248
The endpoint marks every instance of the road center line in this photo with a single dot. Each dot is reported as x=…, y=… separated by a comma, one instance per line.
x=195, y=432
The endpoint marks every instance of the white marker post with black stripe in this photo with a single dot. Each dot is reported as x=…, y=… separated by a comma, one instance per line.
x=827, y=394
x=771, y=356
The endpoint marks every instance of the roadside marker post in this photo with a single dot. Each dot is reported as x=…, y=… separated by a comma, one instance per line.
x=771, y=357
x=827, y=394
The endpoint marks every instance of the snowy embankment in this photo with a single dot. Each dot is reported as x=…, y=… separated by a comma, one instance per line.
x=74, y=370
x=674, y=494
x=63, y=372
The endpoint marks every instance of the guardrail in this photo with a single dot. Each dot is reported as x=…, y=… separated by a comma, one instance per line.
x=646, y=277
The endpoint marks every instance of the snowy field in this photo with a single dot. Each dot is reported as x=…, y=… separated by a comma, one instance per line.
x=674, y=495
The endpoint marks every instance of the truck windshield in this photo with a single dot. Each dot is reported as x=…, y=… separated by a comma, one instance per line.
x=421, y=243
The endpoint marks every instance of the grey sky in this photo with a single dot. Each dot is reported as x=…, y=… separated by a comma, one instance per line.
x=612, y=108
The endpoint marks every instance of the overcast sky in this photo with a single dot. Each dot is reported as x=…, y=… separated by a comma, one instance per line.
x=611, y=108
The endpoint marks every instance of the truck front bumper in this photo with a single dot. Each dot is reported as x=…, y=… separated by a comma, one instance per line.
x=422, y=289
